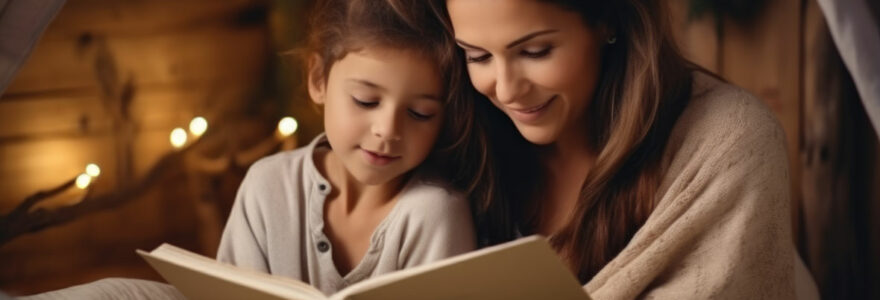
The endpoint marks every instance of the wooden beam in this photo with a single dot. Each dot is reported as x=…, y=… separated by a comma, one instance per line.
x=204, y=55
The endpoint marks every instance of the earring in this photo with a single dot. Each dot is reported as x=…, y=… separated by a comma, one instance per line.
x=612, y=40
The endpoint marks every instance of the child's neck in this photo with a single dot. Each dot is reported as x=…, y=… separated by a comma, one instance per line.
x=355, y=195
x=353, y=210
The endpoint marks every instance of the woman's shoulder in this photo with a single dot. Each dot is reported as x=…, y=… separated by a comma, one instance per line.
x=719, y=111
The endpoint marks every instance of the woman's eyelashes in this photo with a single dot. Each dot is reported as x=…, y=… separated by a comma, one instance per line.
x=539, y=53
x=414, y=114
x=529, y=53
x=478, y=59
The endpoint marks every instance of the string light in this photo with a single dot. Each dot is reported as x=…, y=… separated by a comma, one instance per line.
x=178, y=137
x=83, y=181
x=93, y=170
x=198, y=126
x=287, y=126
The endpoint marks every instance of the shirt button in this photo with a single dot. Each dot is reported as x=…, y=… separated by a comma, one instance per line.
x=322, y=187
x=323, y=246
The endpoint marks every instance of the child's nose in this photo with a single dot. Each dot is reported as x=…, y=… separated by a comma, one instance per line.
x=386, y=128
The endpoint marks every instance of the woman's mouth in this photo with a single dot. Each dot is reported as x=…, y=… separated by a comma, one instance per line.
x=531, y=114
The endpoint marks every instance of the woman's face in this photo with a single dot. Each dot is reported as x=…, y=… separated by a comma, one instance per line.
x=536, y=61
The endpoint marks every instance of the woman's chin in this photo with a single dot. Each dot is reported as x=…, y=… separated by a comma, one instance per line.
x=538, y=135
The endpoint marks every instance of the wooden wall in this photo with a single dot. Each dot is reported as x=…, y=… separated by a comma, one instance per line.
x=784, y=56
x=106, y=84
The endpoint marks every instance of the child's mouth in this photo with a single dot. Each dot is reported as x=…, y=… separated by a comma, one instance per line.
x=378, y=159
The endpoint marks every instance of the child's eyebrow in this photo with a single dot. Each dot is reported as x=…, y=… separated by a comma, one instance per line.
x=367, y=83
x=374, y=85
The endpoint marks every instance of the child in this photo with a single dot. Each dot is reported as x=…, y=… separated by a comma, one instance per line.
x=365, y=198
x=354, y=202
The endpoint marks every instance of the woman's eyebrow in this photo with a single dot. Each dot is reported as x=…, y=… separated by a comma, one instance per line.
x=518, y=41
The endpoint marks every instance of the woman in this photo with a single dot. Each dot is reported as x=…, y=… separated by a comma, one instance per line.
x=651, y=177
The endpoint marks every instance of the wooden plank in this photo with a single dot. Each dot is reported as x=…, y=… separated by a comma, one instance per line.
x=164, y=213
x=84, y=112
x=31, y=166
x=104, y=238
x=817, y=181
x=764, y=58
x=102, y=17
x=840, y=173
x=205, y=55
x=696, y=38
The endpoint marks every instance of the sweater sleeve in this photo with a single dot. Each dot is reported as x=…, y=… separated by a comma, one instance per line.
x=243, y=242
x=721, y=228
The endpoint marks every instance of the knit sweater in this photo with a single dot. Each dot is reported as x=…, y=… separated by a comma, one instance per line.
x=722, y=225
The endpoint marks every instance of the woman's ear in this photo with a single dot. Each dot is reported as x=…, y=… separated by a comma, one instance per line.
x=316, y=82
x=608, y=34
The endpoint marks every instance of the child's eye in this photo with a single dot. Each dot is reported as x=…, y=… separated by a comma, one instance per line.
x=419, y=116
x=537, y=54
x=478, y=59
x=362, y=103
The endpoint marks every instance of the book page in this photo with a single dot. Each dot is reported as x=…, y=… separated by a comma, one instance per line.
x=523, y=269
x=199, y=277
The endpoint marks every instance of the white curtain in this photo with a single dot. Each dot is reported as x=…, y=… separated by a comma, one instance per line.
x=22, y=22
x=856, y=34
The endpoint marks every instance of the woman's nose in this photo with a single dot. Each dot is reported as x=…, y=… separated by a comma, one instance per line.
x=509, y=84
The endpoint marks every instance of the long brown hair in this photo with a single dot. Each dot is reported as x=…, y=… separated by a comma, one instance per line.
x=644, y=86
x=338, y=27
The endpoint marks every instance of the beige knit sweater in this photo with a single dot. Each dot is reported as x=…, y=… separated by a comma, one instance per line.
x=721, y=228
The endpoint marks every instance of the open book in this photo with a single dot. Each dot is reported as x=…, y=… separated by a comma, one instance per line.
x=523, y=269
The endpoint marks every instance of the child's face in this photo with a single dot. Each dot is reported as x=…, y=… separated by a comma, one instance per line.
x=382, y=111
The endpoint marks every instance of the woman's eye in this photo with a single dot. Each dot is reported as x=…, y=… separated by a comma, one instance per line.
x=362, y=103
x=478, y=59
x=419, y=116
x=537, y=54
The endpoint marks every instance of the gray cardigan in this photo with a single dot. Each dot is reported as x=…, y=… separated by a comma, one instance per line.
x=276, y=225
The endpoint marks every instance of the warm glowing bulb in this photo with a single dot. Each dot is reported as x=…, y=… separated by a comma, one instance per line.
x=178, y=137
x=287, y=126
x=93, y=170
x=198, y=126
x=83, y=181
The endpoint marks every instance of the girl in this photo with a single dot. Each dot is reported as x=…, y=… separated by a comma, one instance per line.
x=653, y=178
x=367, y=197
x=354, y=203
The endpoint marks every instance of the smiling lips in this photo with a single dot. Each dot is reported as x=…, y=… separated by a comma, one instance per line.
x=531, y=114
x=378, y=159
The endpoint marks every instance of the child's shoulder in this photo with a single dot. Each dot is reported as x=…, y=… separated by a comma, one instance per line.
x=292, y=170
x=428, y=199
x=280, y=163
x=434, y=211
x=287, y=163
